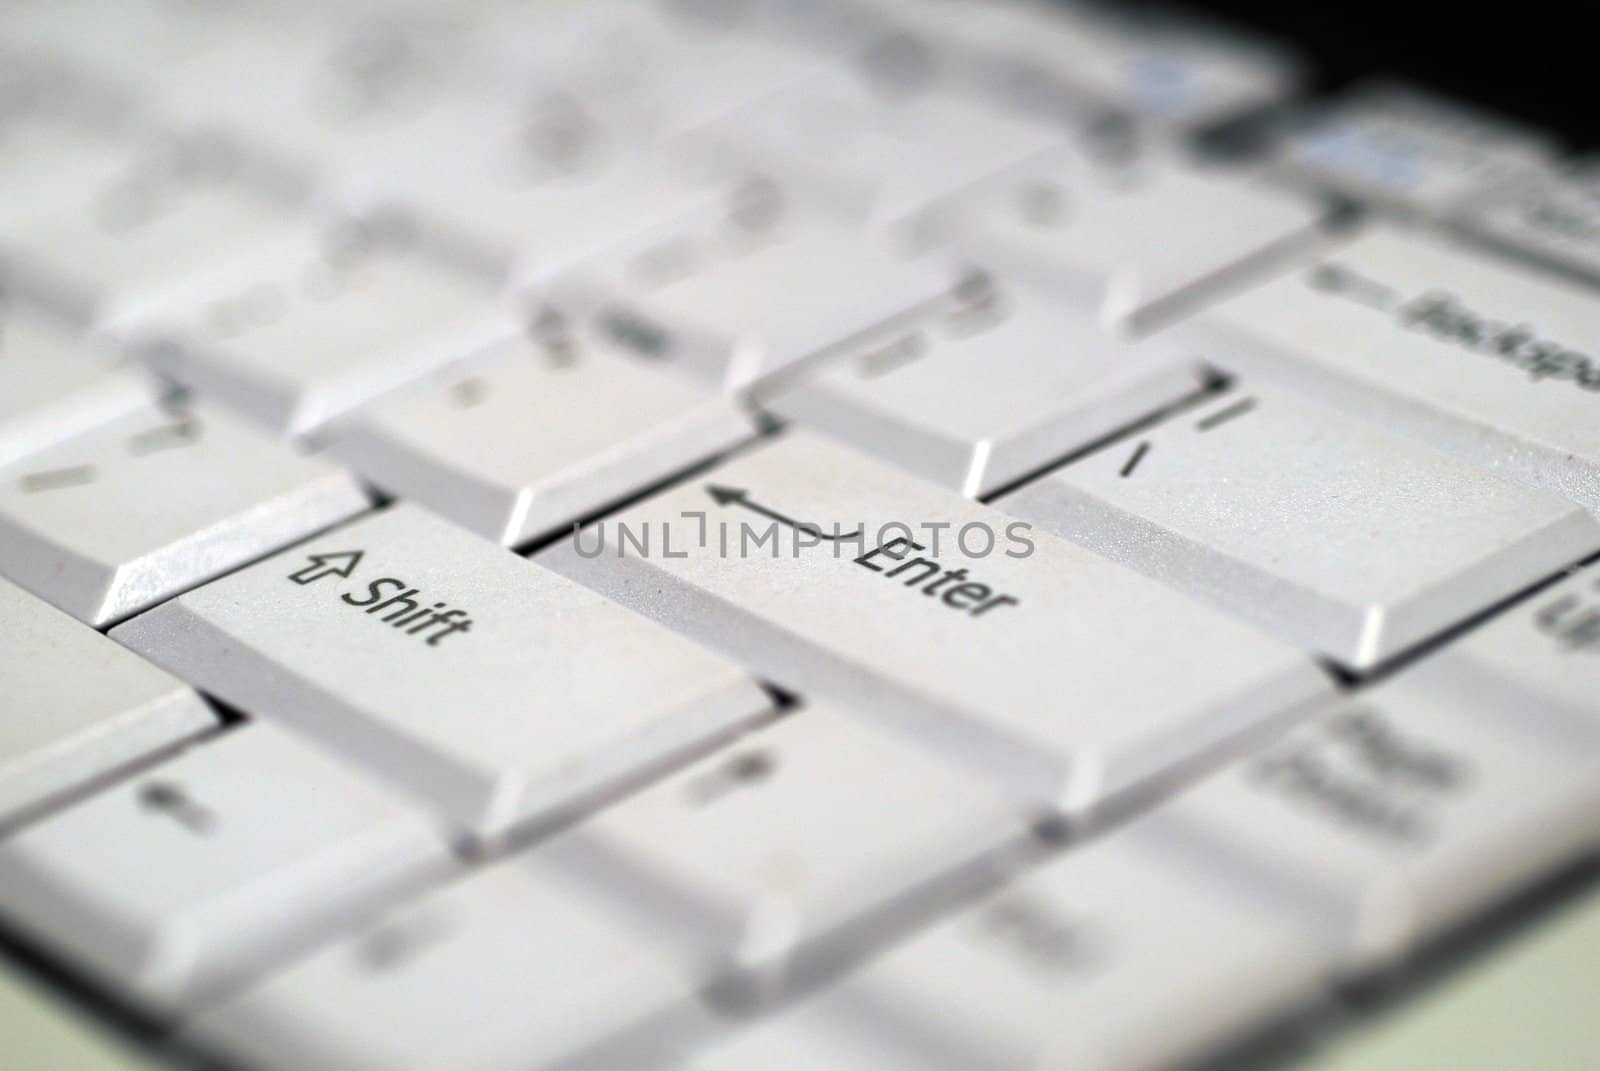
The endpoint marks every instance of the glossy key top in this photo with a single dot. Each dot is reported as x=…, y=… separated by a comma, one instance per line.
x=1065, y=675
x=1324, y=530
x=450, y=666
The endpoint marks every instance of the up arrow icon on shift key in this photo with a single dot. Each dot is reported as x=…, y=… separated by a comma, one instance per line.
x=341, y=564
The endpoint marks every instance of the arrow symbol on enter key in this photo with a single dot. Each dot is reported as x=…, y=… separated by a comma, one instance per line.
x=341, y=564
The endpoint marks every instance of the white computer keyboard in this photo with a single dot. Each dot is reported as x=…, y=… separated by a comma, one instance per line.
x=755, y=534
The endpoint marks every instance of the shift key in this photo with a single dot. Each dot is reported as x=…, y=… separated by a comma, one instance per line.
x=491, y=688
x=1067, y=677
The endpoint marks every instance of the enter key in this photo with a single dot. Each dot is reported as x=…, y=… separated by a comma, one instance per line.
x=1069, y=677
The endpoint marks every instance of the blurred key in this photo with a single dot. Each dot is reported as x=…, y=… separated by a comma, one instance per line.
x=179, y=882
x=500, y=972
x=116, y=243
x=531, y=185
x=1323, y=530
x=77, y=706
x=1407, y=150
x=1138, y=243
x=349, y=312
x=753, y=848
x=1542, y=655
x=1066, y=676
x=55, y=384
x=452, y=667
x=50, y=151
x=1468, y=353
x=532, y=435
x=751, y=301
x=1121, y=954
x=875, y=157
x=1177, y=73
x=1552, y=217
x=1404, y=810
x=138, y=509
x=988, y=393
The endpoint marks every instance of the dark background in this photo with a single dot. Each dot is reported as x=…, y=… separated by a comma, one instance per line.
x=1534, y=59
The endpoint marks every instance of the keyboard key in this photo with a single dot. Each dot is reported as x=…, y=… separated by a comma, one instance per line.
x=531, y=436
x=1121, y=954
x=530, y=186
x=54, y=384
x=1476, y=356
x=500, y=972
x=877, y=158
x=180, y=208
x=1542, y=655
x=188, y=877
x=1407, y=150
x=77, y=705
x=1139, y=243
x=987, y=394
x=745, y=304
x=1169, y=72
x=450, y=666
x=49, y=153
x=1403, y=810
x=748, y=850
x=1552, y=217
x=1068, y=677
x=1321, y=529
x=132, y=512
x=353, y=311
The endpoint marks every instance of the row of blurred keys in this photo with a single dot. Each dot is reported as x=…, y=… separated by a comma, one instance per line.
x=518, y=308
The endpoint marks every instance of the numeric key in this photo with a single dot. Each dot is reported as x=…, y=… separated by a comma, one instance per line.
x=1349, y=540
x=134, y=511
